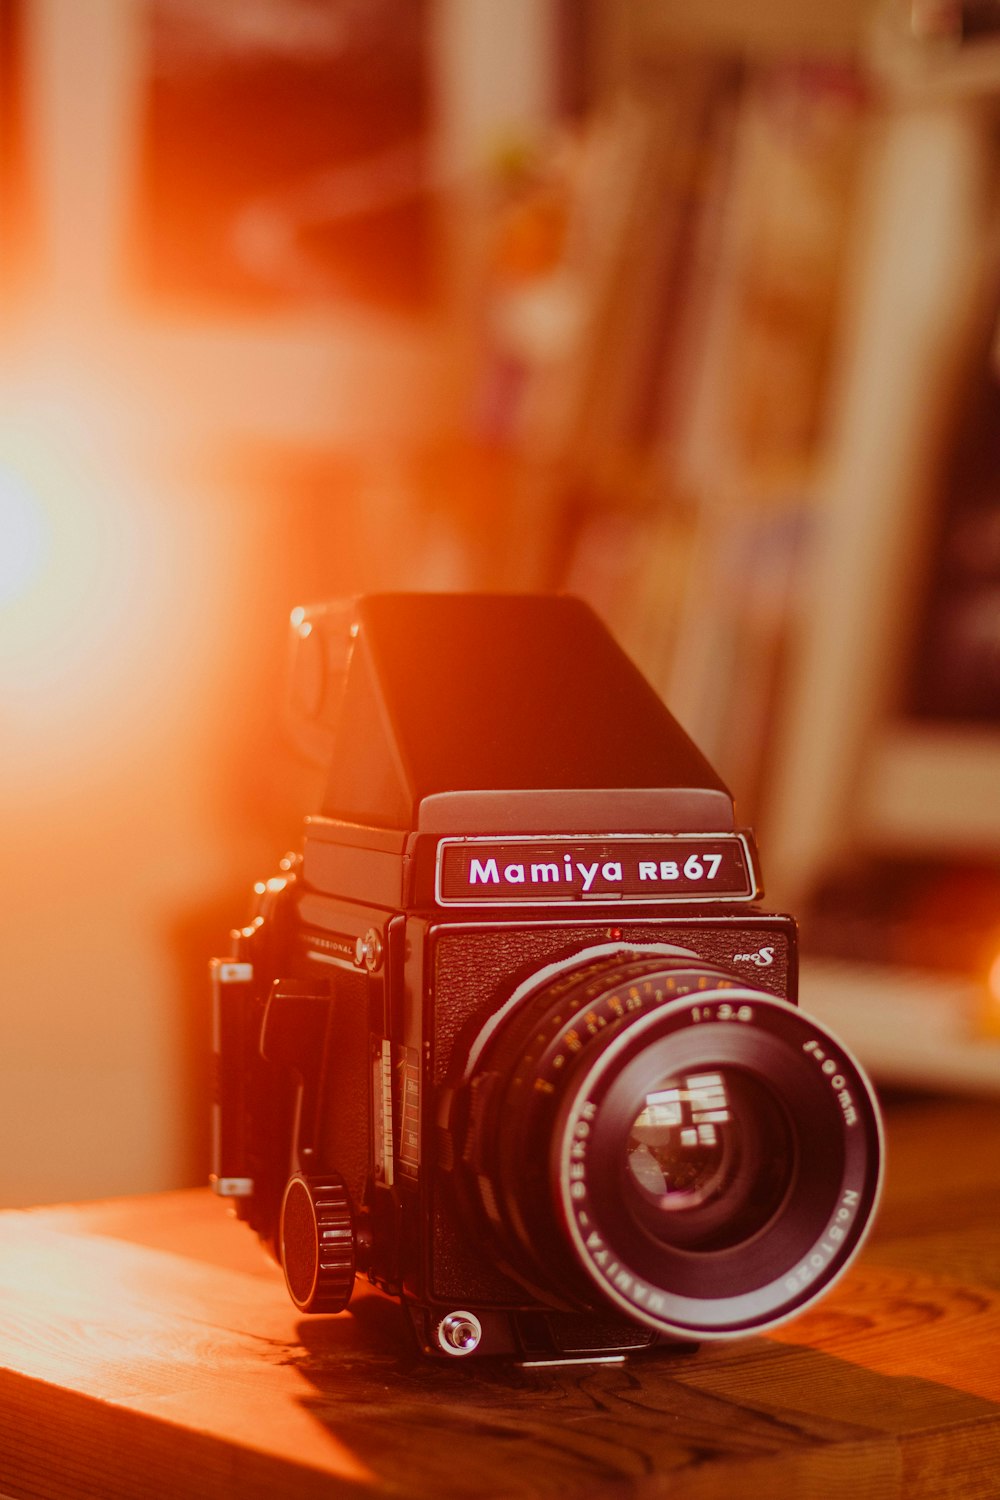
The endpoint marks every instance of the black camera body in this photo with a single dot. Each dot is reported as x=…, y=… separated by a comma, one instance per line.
x=511, y=1035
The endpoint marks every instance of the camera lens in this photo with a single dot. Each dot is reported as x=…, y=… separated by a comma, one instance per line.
x=643, y=1130
x=709, y=1159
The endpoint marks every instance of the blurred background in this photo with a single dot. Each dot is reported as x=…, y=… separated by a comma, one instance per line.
x=689, y=310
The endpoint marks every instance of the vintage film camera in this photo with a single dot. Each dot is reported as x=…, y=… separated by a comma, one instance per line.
x=511, y=1036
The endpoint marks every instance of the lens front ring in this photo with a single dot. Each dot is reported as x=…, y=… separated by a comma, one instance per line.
x=810, y=1238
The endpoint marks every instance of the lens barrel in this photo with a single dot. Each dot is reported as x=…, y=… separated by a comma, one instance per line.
x=643, y=1130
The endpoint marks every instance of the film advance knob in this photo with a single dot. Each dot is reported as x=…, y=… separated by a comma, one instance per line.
x=318, y=1243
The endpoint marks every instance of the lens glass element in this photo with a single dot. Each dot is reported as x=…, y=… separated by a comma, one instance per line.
x=709, y=1159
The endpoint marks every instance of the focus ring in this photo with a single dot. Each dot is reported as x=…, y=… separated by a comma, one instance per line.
x=318, y=1243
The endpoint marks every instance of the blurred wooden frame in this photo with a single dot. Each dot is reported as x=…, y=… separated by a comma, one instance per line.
x=853, y=772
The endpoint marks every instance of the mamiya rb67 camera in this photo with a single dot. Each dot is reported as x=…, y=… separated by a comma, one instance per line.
x=512, y=1036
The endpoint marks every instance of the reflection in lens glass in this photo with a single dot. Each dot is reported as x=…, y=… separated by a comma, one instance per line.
x=675, y=1151
x=710, y=1158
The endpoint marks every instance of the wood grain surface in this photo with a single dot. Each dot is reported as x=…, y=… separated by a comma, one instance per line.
x=148, y=1349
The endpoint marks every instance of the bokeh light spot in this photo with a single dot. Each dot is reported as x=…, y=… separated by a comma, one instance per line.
x=24, y=537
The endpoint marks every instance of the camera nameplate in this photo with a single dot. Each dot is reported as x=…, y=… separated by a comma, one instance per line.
x=566, y=870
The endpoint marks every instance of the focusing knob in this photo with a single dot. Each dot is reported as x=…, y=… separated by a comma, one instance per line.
x=318, y=1243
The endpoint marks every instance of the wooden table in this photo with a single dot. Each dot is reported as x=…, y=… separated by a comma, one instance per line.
x=149, y=1350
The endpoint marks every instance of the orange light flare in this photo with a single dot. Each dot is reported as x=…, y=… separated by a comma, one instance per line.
x=126, y=581
x=112, y=581
x=991, y=1007
x=72, y=570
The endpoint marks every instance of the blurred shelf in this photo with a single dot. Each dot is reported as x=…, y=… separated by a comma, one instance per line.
x=934, y=788
x=779, y=26
x=910, y=1028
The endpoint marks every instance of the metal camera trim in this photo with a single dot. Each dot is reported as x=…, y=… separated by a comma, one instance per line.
x=453, y=1322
